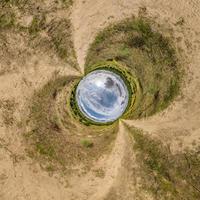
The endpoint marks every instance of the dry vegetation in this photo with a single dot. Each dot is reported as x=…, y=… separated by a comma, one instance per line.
x=8, y=107
x=57, y=139
x=30, y=28
x=164, y=174
x=41, y=125
x=147, y=55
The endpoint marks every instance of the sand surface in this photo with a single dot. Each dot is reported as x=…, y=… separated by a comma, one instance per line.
x=23, y=179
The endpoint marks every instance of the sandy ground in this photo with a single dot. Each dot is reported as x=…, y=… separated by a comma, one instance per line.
x=23, y=179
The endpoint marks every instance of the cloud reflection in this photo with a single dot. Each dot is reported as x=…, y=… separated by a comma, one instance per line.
x=102, y=96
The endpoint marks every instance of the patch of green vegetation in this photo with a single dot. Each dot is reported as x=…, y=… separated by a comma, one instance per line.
x=50, y=168
x=180, y=22
x=67, y=3
x=53, y=35
x=165, y=175
x=60, y=34
x=11, y=5
x=38, y=23
x=57, y=36
x=100, y=173
x=8, y=107
x=32, y=6
x=75, y=109
x=87, y=143
x=147, y=55
x=44, y=136
x=7, y=20
x=55, y=137
x=13, y=2
x=45, y=149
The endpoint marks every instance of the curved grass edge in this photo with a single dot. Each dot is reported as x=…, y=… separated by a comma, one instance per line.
x=130, y=81
x=76, y=112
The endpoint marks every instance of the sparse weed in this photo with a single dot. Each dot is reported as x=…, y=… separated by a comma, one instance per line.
x=87, y=143
x=37, y=24
x=7, y=20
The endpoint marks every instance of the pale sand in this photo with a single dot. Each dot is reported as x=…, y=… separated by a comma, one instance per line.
x=25, y=180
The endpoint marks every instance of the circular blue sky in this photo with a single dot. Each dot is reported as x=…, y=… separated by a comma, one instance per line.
x=102, y=96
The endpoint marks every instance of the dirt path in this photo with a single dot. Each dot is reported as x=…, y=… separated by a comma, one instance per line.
x=21, y=179
x=114, y=164
x=92, y=186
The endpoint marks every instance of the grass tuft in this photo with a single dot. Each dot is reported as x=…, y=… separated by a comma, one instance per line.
x=38, y=23
x=87, y=143
x=7, y=20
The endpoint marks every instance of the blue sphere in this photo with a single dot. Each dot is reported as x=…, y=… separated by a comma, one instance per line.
x=102, y=96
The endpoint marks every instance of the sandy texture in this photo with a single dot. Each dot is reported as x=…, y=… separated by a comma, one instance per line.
x=23, y=179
